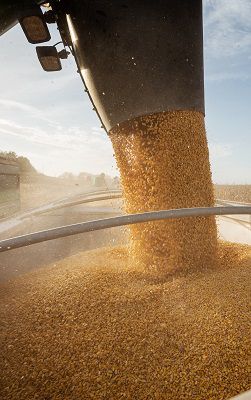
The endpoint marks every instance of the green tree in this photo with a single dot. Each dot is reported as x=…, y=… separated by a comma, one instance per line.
x=9, y=155
x=24, y=163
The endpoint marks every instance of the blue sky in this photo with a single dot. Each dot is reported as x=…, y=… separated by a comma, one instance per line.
x=48, y=117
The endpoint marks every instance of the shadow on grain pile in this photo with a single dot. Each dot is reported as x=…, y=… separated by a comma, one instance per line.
x=94, y=326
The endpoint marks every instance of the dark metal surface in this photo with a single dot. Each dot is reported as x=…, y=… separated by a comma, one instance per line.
x=139, y=56
x=136, y=56
x=10, y=11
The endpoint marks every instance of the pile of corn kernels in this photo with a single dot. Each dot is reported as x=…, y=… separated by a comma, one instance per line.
x=94, y=327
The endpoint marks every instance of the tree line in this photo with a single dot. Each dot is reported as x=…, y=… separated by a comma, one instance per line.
x=24, y=163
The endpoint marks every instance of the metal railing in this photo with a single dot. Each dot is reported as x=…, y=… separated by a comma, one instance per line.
x=69, y=230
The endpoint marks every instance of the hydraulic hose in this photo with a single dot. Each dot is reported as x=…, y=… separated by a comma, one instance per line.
x=69, y=230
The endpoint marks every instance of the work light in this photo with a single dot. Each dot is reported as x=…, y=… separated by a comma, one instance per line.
x=49, y=58
x=34, y=25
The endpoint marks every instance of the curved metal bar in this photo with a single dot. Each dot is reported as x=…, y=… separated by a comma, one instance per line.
x=112, y=196
x=242, y=396
x=68, y=230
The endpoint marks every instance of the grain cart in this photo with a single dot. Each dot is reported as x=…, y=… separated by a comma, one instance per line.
x=135, y=58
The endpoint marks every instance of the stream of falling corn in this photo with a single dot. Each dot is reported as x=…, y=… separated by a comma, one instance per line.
x=164, y=164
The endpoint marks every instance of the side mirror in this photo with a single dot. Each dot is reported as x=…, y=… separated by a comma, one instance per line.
x=49, y=58
x=34, y=26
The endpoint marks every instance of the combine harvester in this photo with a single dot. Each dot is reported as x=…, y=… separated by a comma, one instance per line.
x=125, y=77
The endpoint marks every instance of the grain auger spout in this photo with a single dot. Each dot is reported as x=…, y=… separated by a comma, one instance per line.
x=139, y=57
x=136, y=57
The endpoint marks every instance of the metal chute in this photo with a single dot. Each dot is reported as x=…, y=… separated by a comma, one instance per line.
x=139, y=57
